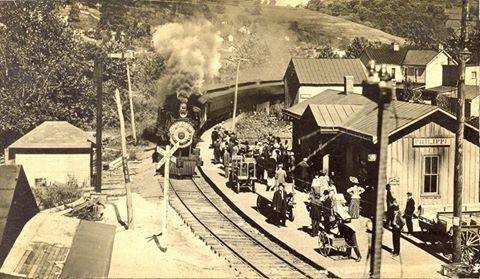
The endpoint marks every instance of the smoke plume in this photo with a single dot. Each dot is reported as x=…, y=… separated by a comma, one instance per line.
x=192, y=55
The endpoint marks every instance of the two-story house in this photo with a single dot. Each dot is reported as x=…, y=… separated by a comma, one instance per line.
x=422, y=67
x=391, y=56
x=308, y=77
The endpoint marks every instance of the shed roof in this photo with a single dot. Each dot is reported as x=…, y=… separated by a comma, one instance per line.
x=386, y=55
x=51, y=238
x=55, y=134
x=327, y=97
x=401, y=114
x=419, y=57
x=333, y=115
x=328, y=71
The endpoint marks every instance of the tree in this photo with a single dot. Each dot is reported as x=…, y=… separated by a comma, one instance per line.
x=45, y=70
x=74, y=15
x=325, y=52
x=357, y=45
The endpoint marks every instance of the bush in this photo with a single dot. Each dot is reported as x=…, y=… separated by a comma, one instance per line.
x=55, y=194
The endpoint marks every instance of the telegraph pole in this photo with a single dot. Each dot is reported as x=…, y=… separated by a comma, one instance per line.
x=383, y=95
x=126, y=175
x=235, y=97
x=98, y=74
x=458, y=174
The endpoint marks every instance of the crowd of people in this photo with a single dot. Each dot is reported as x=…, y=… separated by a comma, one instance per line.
x=276, y=167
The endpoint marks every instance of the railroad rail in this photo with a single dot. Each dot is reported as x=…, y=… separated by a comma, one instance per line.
x=249, y=252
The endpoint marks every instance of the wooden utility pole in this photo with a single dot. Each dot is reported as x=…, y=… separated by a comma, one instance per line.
x=98, y=74
x=130, y=99
x=235, y=98
x=126, y=176
x=459, y=135
x=383, y=95
x=127, y=56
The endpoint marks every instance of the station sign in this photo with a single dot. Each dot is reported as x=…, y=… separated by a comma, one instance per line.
x=432, y=142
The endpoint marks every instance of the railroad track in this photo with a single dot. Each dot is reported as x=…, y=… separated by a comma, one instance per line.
x=248, y=252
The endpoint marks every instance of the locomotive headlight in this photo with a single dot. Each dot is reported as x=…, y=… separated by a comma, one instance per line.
x=183, y=112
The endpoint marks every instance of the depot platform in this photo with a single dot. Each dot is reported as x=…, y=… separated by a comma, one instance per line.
x=413, y=262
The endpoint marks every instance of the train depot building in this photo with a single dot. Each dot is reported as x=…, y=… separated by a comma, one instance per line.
x=337, y=131
x=308, y=77
x=53, y=152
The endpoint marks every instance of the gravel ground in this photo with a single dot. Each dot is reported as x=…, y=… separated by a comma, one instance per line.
x=136, y=252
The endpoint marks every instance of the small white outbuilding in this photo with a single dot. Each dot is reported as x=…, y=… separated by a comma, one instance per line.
x=52, y=153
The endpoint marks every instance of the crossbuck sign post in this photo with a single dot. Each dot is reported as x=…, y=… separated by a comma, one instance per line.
x=167, y=157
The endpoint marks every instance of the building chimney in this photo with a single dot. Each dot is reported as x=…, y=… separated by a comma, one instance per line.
x=440, y=47
x=396, y=46
x=348, y=85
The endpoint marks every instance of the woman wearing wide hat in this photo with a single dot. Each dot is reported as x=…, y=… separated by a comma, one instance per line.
x=355, y=191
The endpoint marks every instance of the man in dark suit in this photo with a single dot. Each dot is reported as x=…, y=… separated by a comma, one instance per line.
x=409, y=209
x=302, y=174
x=390, y=202
x=279, y=204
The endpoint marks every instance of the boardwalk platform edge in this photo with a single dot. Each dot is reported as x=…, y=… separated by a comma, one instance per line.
x=261, y=229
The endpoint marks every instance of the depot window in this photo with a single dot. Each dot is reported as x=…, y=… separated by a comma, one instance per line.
x=430, y=174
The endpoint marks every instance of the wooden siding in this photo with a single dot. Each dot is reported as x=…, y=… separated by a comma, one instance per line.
x=406, y=163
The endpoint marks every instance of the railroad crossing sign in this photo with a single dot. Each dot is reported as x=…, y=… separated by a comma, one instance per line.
x=167, y=157
x=167, y=153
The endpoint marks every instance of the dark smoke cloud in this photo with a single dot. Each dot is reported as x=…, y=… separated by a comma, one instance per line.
x=192, y=55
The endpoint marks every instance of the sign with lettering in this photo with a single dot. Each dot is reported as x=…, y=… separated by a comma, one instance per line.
x=432, y=141
x=394, y=181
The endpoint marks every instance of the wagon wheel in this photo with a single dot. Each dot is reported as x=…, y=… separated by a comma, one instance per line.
x=324, y=244
x=470, y=245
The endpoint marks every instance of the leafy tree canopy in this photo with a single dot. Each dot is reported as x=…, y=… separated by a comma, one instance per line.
x=422, y=22
x=45, y=70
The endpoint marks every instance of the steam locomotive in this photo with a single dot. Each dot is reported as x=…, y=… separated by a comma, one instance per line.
x=180, y=127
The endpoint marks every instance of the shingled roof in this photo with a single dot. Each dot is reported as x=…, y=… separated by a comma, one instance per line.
x=55, y=134
x=328, y=71
x=419, y=57
x=386, y=55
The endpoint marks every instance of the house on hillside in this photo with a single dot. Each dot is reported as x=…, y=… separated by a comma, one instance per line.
x=338, y=133
x=17, y=206
x=392, y=56
x=422, y=67
x=53, y=152
x=472, y=73
x=308, y=77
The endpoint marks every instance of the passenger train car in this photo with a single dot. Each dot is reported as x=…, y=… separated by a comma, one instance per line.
x=210, y=109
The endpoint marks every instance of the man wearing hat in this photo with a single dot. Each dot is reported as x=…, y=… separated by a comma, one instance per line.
x=302, y=173
x=398, y=223
x=409, y=209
